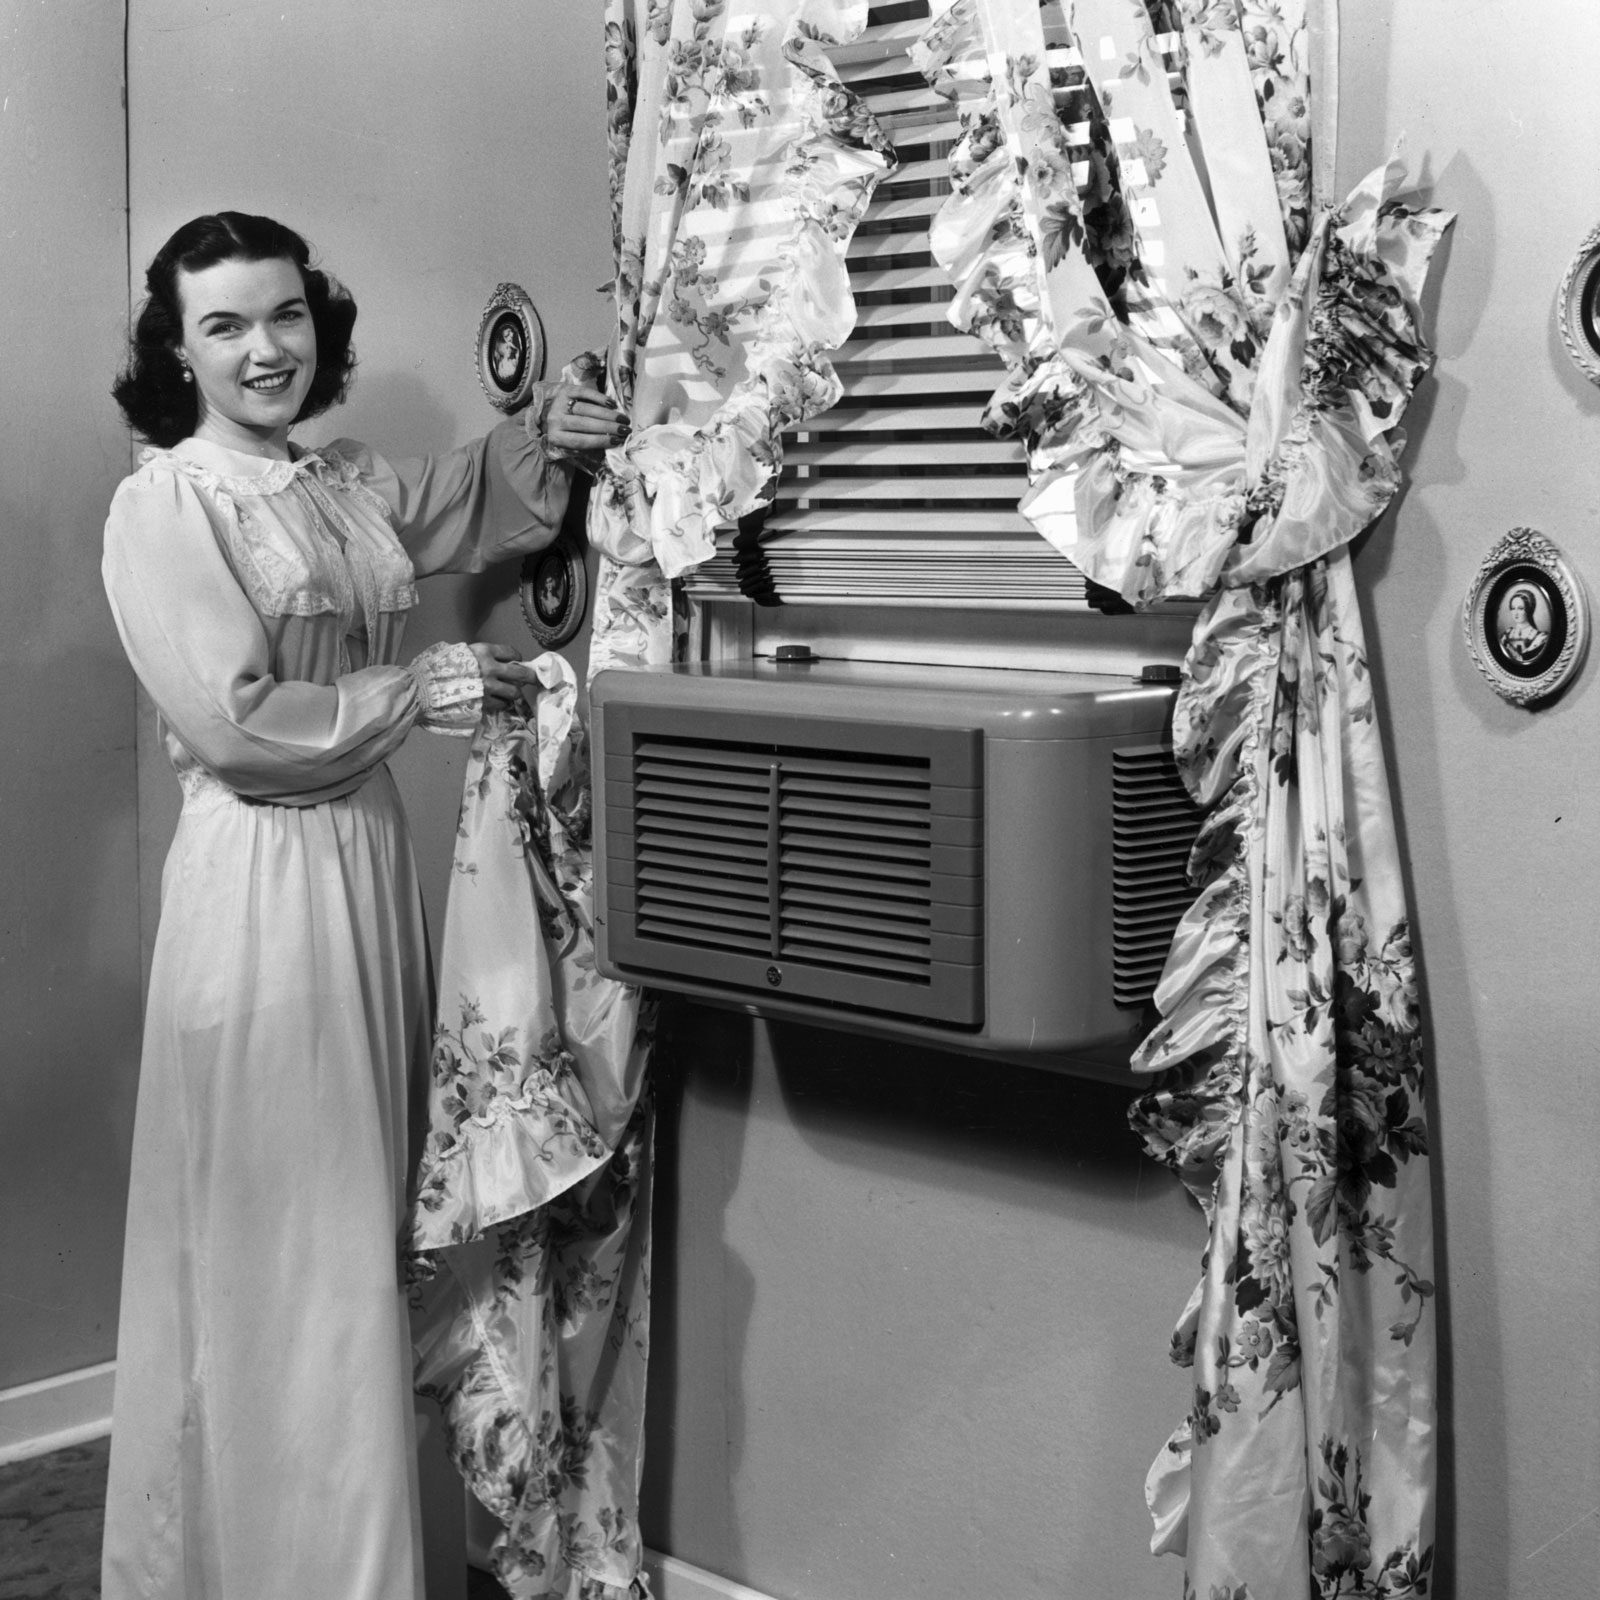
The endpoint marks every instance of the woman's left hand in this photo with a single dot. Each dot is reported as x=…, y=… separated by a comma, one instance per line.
x=504, y=676
x=581, y=419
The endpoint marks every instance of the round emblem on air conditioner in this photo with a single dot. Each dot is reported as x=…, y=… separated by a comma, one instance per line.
x=774, y=976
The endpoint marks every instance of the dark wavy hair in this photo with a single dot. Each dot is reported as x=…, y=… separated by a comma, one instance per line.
x=154, y=398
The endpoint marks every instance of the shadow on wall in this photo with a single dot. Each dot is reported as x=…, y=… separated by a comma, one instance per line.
x=719, y=1045
x=857, y=1095
x=1435, y=417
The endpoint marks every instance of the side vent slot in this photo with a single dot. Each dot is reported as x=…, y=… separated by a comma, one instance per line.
x=849, y=869
x=1153, y=828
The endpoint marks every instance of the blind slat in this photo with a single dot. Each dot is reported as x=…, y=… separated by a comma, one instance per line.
x=867, y=518
x=933, y=380
x=916, y=205
x=880, y=419
x=948, y=346
x=888, y=41
x=911, y=313
x=904, y=452
x=870, y=279
x=973, y=486
x=923, y=125
x=921, y=99
x=909, y=172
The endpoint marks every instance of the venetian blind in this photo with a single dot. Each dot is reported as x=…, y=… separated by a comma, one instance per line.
x=897, y=496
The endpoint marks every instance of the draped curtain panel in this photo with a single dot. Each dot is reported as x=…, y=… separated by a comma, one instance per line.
x=530, y=1231
x=740, y=167
x=1207, y=369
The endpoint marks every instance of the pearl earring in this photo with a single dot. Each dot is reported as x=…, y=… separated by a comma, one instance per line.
x=188, y=376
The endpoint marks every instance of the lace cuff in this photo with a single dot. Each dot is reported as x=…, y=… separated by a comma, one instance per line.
x=450, y=688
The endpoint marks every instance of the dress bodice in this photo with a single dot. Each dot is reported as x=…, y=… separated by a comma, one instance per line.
x=263, y=603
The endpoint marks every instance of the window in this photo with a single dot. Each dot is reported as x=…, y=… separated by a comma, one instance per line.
x=897, y=497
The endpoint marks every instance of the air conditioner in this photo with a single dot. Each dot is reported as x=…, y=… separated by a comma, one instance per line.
x=984, y=860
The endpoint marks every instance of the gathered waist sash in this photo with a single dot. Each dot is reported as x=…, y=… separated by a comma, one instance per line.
x=203, y=791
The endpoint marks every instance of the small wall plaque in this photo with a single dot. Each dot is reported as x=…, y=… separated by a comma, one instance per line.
x=555, y=592
x=511, y=348
x=1578, y=308
x=1526, y=619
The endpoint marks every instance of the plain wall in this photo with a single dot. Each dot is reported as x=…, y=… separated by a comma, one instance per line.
x=69, y=932
x=1498, y=804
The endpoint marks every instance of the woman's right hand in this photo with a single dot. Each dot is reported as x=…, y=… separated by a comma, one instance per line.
x=580, y=419
x=504, y=676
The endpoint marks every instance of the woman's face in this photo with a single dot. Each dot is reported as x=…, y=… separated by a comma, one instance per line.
x=1520, y=609
x=249, y=340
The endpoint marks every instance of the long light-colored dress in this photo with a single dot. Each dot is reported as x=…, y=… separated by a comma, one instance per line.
x=262, y=1444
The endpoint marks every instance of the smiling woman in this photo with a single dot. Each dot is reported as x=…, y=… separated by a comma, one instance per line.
x=192, y=322
x=261, y=1442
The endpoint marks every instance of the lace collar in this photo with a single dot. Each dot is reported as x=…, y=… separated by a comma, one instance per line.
x=235, y=472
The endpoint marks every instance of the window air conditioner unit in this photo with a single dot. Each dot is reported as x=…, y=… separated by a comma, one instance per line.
x=982, y=860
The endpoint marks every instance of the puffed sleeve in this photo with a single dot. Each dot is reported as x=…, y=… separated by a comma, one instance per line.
x=498, y=497
x=198, y=646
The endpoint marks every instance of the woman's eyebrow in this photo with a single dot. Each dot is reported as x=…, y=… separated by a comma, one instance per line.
x=285, y=305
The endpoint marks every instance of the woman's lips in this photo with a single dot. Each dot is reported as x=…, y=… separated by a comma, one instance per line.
x=269, y=383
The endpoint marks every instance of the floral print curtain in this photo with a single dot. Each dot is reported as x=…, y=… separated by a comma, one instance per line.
x=740, y=167
x=1207, y=369
x=530, y=1231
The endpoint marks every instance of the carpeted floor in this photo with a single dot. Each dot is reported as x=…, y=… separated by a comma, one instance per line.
x=50, y=1515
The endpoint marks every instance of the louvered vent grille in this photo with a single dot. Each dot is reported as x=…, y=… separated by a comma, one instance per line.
x=702, y=844
x=808, y=869
x=855, y=865
x=1153, y=828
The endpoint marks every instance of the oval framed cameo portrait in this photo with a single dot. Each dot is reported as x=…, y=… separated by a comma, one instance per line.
x=1578, y=308
x=1526, y=619
x=511, y=350
x=554, y=589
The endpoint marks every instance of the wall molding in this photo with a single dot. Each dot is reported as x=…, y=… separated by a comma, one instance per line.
x=36, y=1418
x=672, y=1579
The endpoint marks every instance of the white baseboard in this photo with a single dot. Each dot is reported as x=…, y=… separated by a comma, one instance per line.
x=36, y=1418
x=672, y=1579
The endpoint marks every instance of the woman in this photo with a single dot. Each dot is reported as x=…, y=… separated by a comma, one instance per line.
x=262, y=1443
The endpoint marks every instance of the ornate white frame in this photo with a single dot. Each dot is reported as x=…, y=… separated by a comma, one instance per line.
x=511, y=300
x=1525, y=555
x=1578, y=308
